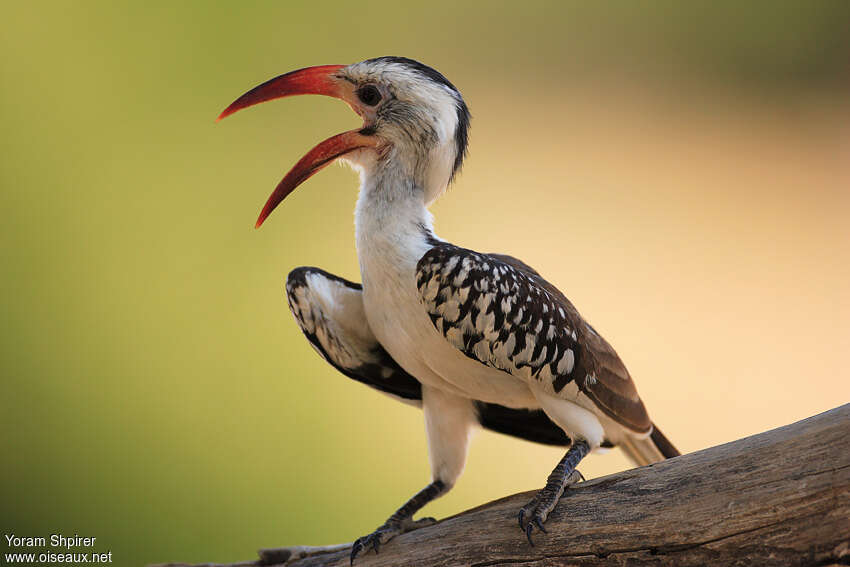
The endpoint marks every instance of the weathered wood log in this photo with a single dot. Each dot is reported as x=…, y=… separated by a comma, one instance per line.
x=778, y=498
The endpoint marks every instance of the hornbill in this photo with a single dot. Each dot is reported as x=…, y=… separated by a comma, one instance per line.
x=471, y=338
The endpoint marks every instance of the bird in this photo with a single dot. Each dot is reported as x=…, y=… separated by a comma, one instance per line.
x=473, y=339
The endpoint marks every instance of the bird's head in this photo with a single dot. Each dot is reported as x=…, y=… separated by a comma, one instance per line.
x=415, y=123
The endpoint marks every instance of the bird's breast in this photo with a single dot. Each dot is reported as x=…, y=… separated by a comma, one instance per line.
x=401, y=324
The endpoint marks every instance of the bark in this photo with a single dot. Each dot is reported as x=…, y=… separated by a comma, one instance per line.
x=777, y=498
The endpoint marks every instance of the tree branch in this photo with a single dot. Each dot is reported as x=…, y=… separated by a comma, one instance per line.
x=778, y=498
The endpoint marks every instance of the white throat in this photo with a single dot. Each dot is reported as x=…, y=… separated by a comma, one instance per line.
x=393, y=226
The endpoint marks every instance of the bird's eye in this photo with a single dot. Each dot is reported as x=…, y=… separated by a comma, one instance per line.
x=369, y=95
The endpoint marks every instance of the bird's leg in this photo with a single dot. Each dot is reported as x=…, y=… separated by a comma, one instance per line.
x=535, y=512
x=401, y=521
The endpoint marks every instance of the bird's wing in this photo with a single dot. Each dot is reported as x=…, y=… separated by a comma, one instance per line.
x=501, y=312
x=329, y=310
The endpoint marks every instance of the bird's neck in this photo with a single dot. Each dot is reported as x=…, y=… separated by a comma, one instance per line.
x=392, y=223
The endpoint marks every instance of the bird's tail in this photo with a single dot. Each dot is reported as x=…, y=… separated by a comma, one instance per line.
x=652, y=449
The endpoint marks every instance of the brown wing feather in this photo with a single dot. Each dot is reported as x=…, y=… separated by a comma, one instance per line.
x=614, y=391
x=456, y=284
x=331, y=317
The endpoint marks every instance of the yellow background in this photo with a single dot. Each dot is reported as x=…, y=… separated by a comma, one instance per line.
x=681, y=172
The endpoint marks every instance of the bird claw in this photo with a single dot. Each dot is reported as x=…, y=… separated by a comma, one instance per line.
x=373, y=541
x=385, y=533
x=534, y=514
x=356, y=547
x=531, y=515
x=528, y=529
x=535, y=521
x=539, y=525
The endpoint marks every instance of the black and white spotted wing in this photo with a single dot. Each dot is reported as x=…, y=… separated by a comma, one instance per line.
x=329, y=311
x=497, y=310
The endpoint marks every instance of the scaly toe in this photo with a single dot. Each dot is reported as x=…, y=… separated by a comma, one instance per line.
x=539, y=525
x=373, y=540
x=355, y=549
x=527, y=511
x=410, y=525
x=385, y=533
x=533, y=515
x=528, y=529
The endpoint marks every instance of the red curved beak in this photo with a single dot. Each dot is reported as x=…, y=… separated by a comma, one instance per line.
x=315, y=160
x=310, y=80
x=320, y=80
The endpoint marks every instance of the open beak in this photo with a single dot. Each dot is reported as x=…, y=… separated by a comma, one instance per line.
x=319, y=80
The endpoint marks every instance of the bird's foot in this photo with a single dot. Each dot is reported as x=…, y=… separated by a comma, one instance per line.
x=386, y=532
x=534, y=514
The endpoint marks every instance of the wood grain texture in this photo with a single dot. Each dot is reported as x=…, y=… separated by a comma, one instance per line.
x=780, y=498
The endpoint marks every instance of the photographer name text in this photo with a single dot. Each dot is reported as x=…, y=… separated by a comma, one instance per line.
x=60, y=546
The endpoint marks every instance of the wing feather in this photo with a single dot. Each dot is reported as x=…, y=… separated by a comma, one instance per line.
x=499, y=311
x=329, y=311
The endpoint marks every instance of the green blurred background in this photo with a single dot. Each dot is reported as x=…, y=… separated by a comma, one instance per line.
x=680, y=170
